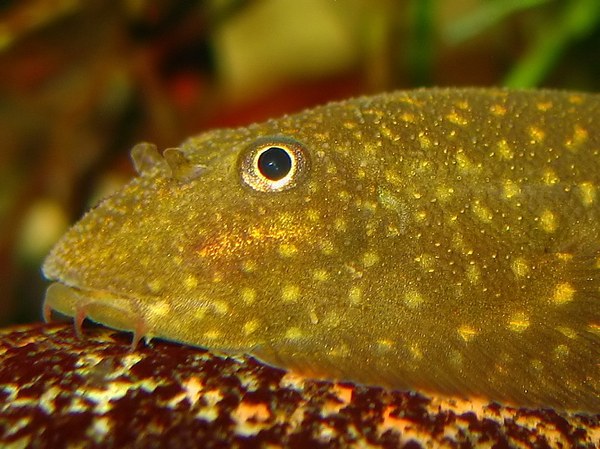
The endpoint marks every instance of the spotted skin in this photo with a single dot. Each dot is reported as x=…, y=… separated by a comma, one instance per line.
x=442, y=240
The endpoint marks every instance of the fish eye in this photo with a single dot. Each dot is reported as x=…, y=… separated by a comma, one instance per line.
x=273, y=164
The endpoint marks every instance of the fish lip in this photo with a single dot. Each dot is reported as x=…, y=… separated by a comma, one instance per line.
x=90, y=293
x=117, y=311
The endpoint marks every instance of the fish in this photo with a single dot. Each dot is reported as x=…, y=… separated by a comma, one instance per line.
x=443, y=240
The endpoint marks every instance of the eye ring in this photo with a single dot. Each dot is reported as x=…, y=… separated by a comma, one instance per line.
x=274, y=164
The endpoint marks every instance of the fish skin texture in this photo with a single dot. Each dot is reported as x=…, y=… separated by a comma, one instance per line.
x=440, y=240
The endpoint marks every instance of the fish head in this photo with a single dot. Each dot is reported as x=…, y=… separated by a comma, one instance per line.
x=239, y=238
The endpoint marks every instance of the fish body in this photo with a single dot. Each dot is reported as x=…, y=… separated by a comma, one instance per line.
x=443, y=240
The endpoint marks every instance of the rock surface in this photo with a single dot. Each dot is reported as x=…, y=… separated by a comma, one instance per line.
x=59, y=391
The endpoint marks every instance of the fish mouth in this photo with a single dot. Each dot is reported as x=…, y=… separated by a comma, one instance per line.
x=116, y=311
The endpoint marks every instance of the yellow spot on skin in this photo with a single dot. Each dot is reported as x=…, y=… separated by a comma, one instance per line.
x=498, y=110
x=510, y=188
x=444, y=193
x=504, y=150
x=220, y=307
x=248, y=295
x=520, y=267
x=458, y=243
x=544, y=106
x=563, y=293
x=190, y=282
x=457, y=119
x=518, y=322
x=200, y=312
x=413, y=298
x=313, y=215
x=550, y=178
x=393, y=177
x=408, y=118
x=331, y=319
x=389, y=201
x=248, y=266
x=314, y=319
x=251, y=326
x=567, y=332
x=340, y=351
x=213, y=334
x=565, y=257
x=288, y=250
x=463, y=162
x=369, y=205
x=482, y=212
x=561, y=351
x=421, y=215
x=293, y=333
x=320, y=275
x=456, y=358
x=385, y=345
x=575, y=99
x=587, y=192
x=537, y=135
x=344, y=196
x=580, y=137
x=537, y=365
x=425, y=166
x=427, y=261
x=424, y=141
x=327, y=247
x=415, y=351
x=548, y=221
x=161, y=308
x=370, y=259
x=370, y=149
x=340, y=225
x=155, y=285
x=467, y=332
x=473, y=274
x=386, y=132
x=355, y=294
x=290, y=293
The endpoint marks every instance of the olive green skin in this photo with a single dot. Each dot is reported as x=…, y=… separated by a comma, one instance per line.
x=444, y=240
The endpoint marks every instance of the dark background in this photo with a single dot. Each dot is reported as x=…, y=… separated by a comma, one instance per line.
x=82, y=81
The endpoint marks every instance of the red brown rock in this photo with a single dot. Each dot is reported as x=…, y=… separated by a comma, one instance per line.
x=59, y=391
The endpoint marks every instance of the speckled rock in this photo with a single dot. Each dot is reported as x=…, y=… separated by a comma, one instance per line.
x=59, y=391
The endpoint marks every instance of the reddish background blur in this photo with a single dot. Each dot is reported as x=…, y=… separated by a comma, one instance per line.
x=82, y=81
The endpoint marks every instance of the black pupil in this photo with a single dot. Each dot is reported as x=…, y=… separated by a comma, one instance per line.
x=274, y=163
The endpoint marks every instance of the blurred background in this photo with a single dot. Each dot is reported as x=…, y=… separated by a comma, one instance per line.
x=82, y=81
